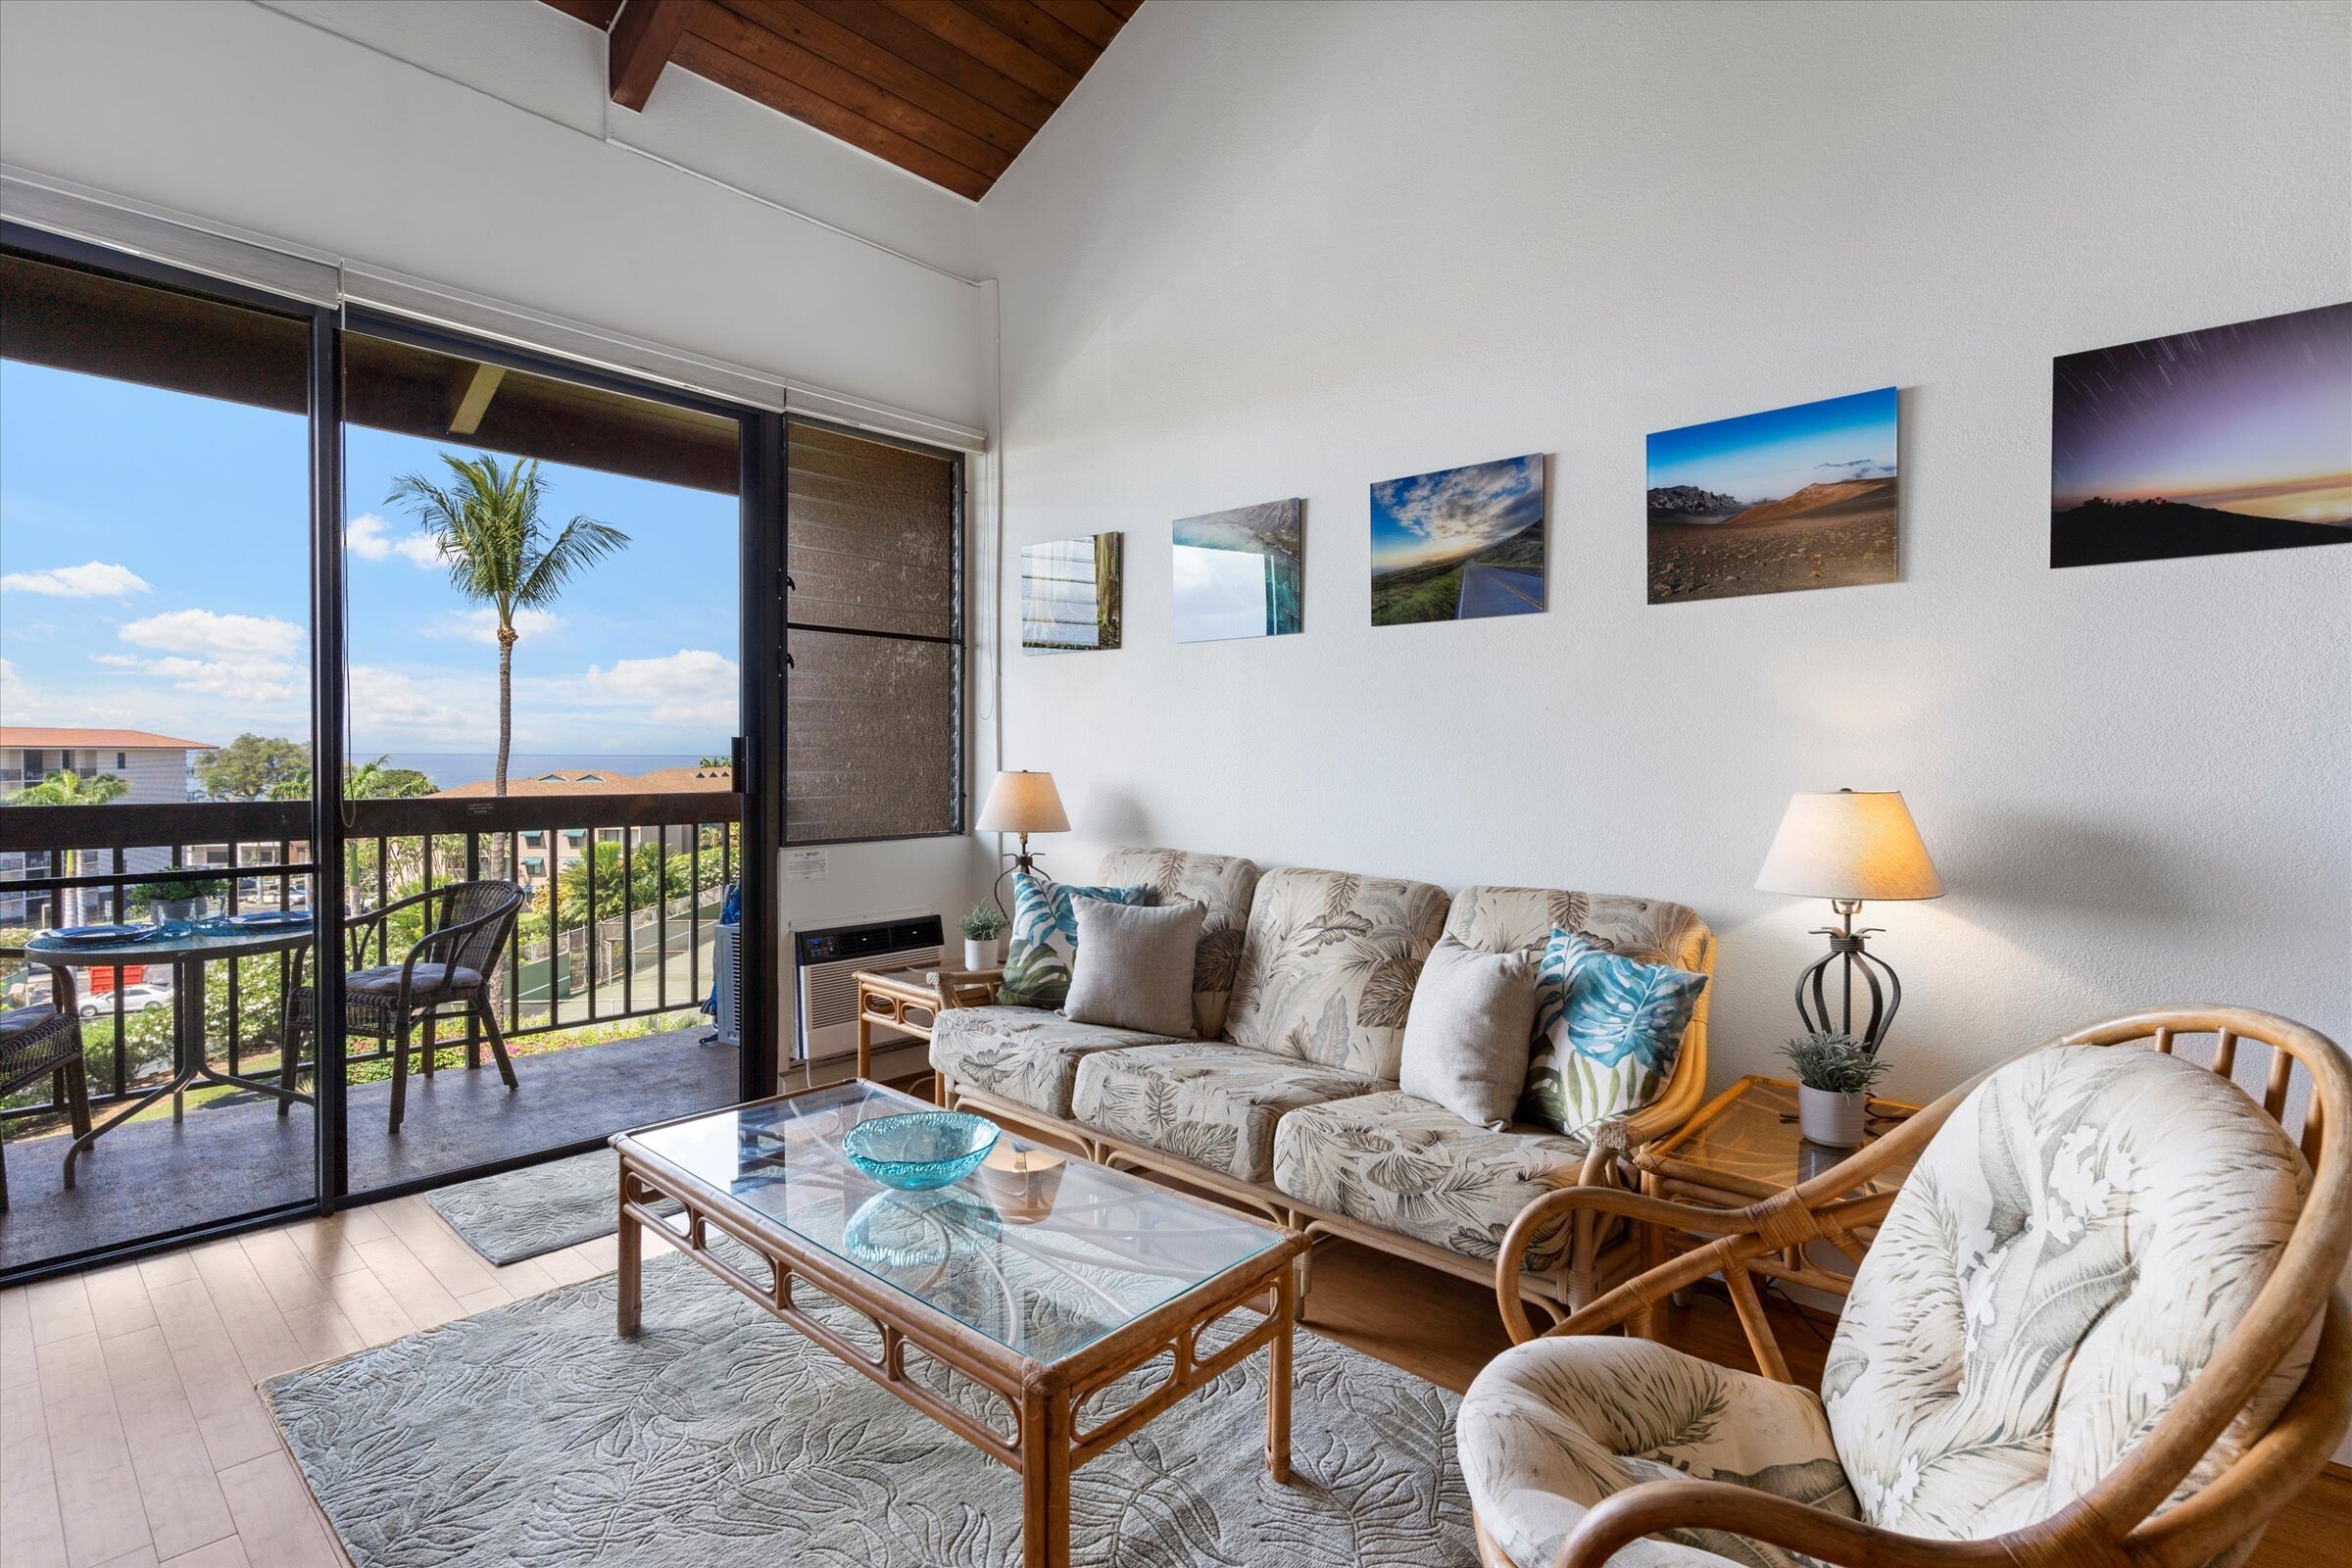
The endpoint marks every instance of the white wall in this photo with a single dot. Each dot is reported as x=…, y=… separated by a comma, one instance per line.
x=1288, y=250
x=336, y=126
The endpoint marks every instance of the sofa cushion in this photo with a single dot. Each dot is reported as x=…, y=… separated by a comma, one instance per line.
x=1467, y=1038
x=1223, y=886
x=1022, y=1054
x=1213, y=1104
x=1500, y=919
x=1551, y=1427
x=1045, y=938
x=2065, y=1256
x=1328, y=967
x=1416, y=1169
x=1608, y=1030
x=1134, y=967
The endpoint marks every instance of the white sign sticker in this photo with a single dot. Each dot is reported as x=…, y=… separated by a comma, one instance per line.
x=803, y=865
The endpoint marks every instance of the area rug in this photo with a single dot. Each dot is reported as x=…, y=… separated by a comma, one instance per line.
x=532, y=1434
x=540, y=1209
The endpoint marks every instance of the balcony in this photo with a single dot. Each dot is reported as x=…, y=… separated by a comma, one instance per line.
x=597, y=995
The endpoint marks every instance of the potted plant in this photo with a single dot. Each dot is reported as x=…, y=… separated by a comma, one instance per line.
x=177, y=900
x=1834, y=1073
x=983, y=938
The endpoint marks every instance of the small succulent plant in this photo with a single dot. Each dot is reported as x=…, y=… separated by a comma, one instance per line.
x=1833, y=1061
x=983, y=924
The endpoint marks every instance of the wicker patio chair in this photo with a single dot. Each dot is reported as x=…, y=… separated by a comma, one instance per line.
x=45, y=1039
x=2099, y=1326
x=467, y=927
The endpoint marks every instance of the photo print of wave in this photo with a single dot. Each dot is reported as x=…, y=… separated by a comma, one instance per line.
x=2204, y=442
x=1459, y=544
x=1801, y=496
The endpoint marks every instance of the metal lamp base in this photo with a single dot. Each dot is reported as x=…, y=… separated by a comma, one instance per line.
x=1850, y=948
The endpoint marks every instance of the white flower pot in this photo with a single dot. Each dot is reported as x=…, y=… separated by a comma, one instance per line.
x=987, y=955
x=180, y=910
x=1826, y=1117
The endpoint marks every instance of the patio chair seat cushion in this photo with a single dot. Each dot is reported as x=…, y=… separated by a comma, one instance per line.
x=2064, y=1259
x=1551, y=1427
x=1213, y=1104
x=1416, y=1169
x=426, y=979
x=1024, y=1054
x=36, y=1040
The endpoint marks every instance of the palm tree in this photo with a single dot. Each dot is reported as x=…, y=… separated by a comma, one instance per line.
x=486, y=524
x=65, y=787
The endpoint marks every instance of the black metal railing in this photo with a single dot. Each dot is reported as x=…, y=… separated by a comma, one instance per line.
x=604, y=937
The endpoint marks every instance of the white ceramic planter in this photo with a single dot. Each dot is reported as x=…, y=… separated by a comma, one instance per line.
x=983, y=955
x=1830, y=1118
x=180, y=910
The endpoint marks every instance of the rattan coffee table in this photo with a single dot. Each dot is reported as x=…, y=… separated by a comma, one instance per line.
x=1040, y=1281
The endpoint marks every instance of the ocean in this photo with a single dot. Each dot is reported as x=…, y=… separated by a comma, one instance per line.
x=448, y=769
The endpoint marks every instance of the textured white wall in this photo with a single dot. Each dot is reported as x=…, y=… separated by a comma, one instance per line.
x=257, y=117
x=1278, y=250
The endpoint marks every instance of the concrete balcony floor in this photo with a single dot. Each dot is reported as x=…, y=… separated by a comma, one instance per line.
x=235, y=1156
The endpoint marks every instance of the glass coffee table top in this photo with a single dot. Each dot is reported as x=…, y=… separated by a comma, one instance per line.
x=1039, y=1251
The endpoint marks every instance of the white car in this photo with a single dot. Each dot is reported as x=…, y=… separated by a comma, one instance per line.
x=137, y=997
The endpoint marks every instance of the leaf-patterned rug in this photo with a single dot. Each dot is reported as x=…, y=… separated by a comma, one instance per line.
x=541, y=1208
x=719, y=1438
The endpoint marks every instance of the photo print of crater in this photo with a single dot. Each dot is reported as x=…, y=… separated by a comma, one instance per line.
x=1459, y=544
x=1801, y=496
x=2204, y=442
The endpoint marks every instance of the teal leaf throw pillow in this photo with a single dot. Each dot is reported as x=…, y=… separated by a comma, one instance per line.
x=1608, y=1029
x=1044, y=937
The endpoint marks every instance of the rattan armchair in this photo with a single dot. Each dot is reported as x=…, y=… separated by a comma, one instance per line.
x=44, y=1040
x=2175, y=1384
x=466, y=928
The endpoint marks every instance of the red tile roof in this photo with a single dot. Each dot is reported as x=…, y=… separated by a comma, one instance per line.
x=46, y=738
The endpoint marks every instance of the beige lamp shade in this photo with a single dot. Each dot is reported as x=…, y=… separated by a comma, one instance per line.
x=1849, y=844
x=1023, y=802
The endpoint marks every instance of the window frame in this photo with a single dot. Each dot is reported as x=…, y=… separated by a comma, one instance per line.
x=957, y=641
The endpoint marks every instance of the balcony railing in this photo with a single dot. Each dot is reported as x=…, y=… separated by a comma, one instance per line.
x=602, y=939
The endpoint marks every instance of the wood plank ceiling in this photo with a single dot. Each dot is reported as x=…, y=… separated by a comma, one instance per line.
x=948, y=89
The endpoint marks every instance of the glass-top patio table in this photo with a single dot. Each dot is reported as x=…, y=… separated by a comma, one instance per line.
x=1042, y=1278
x=187, y=950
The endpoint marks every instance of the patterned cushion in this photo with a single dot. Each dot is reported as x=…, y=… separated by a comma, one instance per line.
x=1499, y=919
x=1222, y=884
x=1608, y=1029
x=1328, y=967
x=1022, y=1054
x=1553, y=1425
x=1213, y=1104
x=1045, y=934
x=1416, y=1169
x=2065, y=1258
x=426, y=979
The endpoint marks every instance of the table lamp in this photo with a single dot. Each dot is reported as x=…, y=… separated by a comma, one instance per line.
x=1847, y=846
x=1024, y=803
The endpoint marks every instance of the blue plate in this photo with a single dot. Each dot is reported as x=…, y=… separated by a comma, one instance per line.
x=98, y=934
x=268, y=920
x=921, y=1150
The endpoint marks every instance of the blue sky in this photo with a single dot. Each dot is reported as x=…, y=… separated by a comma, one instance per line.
x=1763, y=456
x=154, y=575
x=1432, y=517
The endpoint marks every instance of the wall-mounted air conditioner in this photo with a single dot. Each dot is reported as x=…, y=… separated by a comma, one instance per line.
x=824, y=961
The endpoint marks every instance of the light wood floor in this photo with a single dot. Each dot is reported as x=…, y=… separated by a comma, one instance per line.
x=130, y=1434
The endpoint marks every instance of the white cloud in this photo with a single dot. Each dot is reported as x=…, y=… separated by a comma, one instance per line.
x=369, y=537
x=390, y=709
x=258, y=680
x=92, y=579
x=481, y=625
x=693, y=687
x=1458, y=511
x=207, y=634
x=15, y=695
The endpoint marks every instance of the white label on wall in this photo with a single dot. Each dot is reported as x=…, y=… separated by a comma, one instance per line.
x=803, y=865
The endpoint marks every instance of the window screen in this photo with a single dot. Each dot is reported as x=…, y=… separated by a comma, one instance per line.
x=873, y=711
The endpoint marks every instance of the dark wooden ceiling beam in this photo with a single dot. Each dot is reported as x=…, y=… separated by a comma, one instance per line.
x=772, y=52
x=1093, y=20
x=975, y=37
x=885, y=30
x=1022, y=22
x=643, y=37
x=703, y=58
x=882, y=71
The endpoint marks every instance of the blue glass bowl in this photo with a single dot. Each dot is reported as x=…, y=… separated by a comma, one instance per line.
x=921, y=1150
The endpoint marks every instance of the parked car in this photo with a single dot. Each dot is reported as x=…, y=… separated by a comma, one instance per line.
x=137, y=997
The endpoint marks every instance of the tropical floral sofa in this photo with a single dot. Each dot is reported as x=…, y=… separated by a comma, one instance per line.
x=1285, y=1099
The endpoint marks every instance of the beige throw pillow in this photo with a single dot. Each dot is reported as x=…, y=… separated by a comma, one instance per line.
x=1466, y=1036
x=1132, y=967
